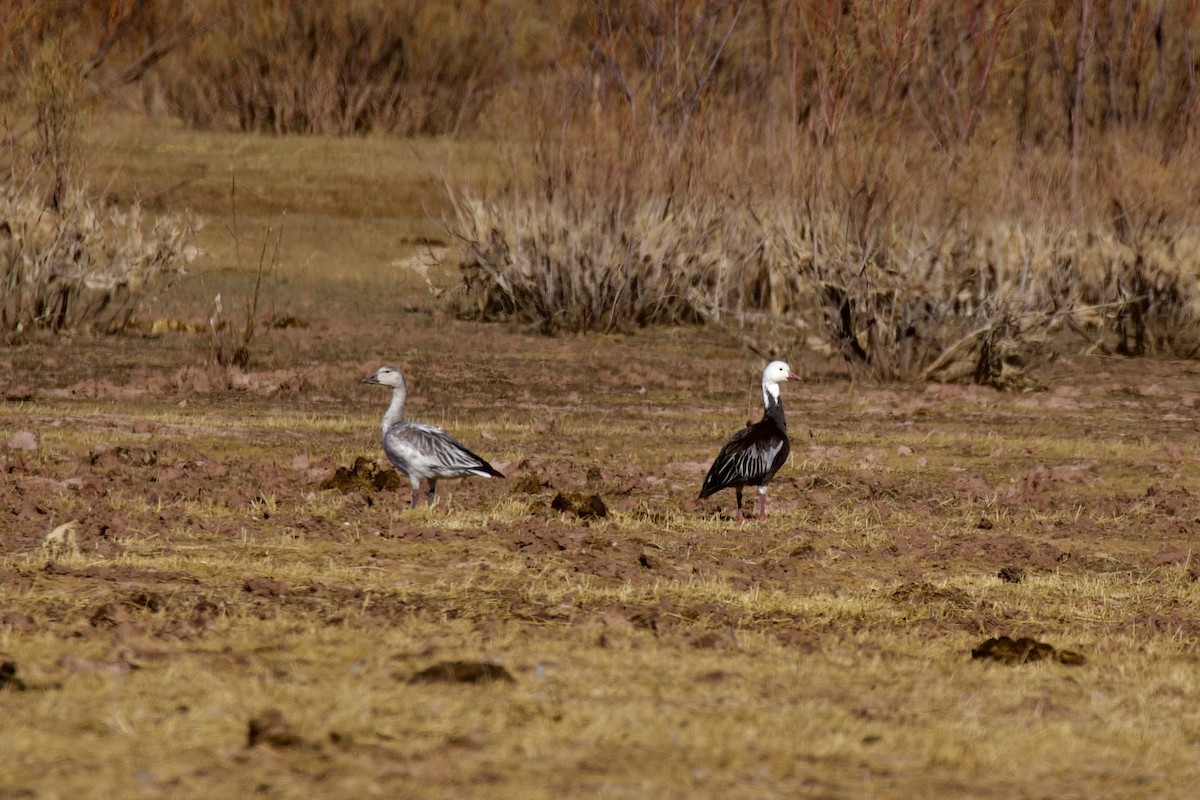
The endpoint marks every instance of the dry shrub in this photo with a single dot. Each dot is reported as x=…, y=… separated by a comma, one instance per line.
x=55, y=91
x=571, y=266
x=66, y=262
x=1141, y=259
x=608, y=222
x=950, y=72
x=785, y=246
x=82, y=266
x=291, y=66
x=344, y=67
x=856, y=178
x=1144, y=288
x=973, y=276
x=918, y=304
x=846, y=249
x=23, y=23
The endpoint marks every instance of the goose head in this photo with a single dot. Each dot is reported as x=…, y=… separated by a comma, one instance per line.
x=387, y=376
x=776, y=372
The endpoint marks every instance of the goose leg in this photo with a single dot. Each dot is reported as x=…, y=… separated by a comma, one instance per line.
x=416, y=490
x=738, y=490
x=762, y=503
x=432, y=489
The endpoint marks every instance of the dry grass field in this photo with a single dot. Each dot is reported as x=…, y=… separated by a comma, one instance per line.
x=185, y=611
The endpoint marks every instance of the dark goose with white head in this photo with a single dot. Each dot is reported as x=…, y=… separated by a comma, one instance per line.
x=419, y=450
x=756, y=452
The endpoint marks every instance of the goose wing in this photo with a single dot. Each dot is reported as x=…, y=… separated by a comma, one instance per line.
x=428, y=451
x=750, y=458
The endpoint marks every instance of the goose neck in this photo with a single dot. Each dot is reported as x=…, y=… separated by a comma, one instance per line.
x=395, y=411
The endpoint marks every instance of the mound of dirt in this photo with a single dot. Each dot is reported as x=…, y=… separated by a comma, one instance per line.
x=269, y=728
x=265, y=587
x=9, y=679
x=463, y=672
x=584, y=506
x=1024, y=650
x=364, y=476
x=526, y=484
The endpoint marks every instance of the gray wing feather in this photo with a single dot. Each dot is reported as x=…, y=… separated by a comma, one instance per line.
x=427, y=451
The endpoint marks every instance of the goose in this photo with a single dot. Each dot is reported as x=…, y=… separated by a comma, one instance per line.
x=755, y=453
x=419, y=450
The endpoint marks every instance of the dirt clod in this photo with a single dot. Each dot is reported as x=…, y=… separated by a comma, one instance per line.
x=1024, y=650
x=15, y=620
x=708, y=641
x=9, y=679
x=265, y=587
x=1011, y=574
x=364, y=476
x=151, y=601
x=584, y=506
x=463, y=672
x=133, y=456
x=269, y=728
x=18, y=394
x=526, y=484
x=110, y=615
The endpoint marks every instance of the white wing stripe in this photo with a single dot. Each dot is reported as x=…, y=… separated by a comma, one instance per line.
x=747, y=464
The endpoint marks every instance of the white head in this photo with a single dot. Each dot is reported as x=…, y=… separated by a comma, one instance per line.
x=776, y=373
x=387, y=376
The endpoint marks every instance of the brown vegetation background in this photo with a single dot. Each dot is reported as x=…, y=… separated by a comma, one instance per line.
x=928, y=189
x=1022, y=72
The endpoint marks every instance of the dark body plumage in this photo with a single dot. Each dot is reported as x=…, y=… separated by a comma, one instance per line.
x=755, y=453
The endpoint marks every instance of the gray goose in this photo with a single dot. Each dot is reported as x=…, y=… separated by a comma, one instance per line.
x=423, y=451
x=755, y=453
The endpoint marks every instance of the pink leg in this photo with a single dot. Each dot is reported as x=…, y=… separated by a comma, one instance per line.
x=762, y=506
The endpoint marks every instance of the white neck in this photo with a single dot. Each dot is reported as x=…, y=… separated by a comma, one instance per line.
x=395, y=412
x=770, y=393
